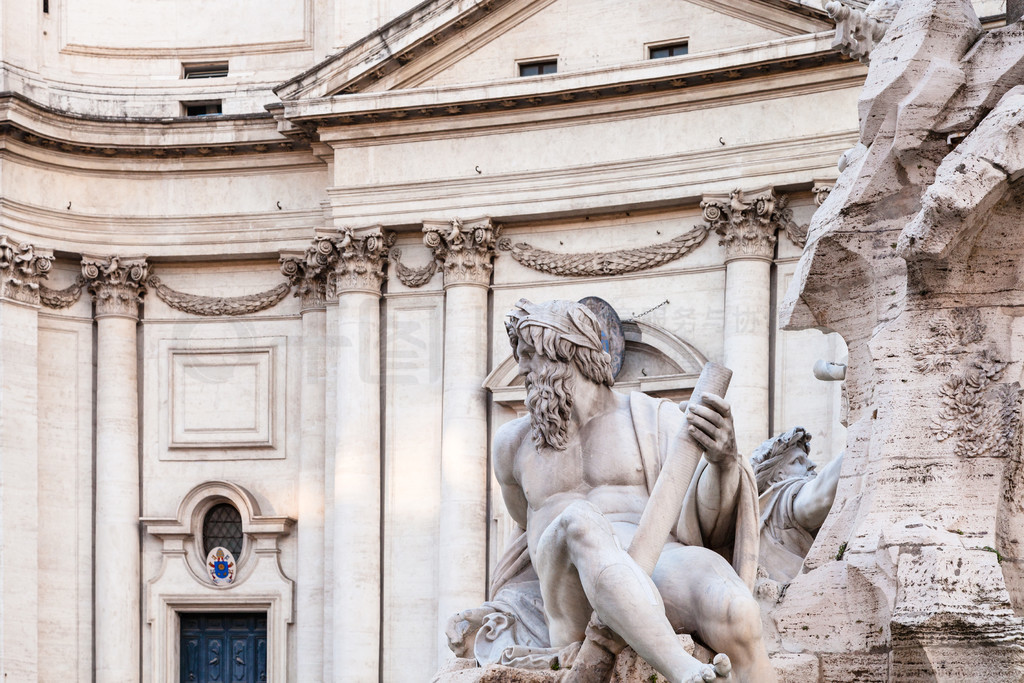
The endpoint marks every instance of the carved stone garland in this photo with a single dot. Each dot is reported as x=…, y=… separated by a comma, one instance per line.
x=465, y=249
x=116, y=283
x=213, y=305
x=411, y=277
x=62, y=298
x=748, y=225
x=22, y=268
x=591, y=264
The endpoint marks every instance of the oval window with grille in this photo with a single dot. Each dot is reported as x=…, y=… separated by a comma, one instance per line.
x=222, y=527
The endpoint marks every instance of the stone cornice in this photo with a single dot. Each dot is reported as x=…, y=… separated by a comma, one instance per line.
x=23, y=267
x=605, y=84
x=116, y=283
x=464, y=248
x=34, y=124
x=747, y=222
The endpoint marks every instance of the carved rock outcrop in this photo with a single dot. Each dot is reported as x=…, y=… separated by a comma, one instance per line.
x=914, y=259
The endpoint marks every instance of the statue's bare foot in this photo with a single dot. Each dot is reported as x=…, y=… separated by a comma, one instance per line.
x=719, y=670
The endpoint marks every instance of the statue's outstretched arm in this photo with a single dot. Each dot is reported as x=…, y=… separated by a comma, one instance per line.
x=813, y=502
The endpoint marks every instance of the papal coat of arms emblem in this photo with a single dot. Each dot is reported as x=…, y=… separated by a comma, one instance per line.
x=220, y=564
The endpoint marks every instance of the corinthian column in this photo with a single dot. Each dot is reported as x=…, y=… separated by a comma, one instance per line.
x=308, y=274
x=22, y=267
x=466, y=251
x=747, y=224
x=357, y=278
x=117, y=285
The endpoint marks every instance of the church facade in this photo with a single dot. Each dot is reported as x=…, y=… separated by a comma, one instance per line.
x=255, y=270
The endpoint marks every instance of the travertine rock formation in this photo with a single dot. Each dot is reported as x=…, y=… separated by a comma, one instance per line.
x=914, y=258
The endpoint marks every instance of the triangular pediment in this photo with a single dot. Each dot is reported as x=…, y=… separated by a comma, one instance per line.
x=447, y=42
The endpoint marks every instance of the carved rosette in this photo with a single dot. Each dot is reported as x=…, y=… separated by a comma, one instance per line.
x=22, y=268
x=308, y=272
x=464, y=248
x=117, y=284
x=747, y=224
x=359, y=266
x=821, y=192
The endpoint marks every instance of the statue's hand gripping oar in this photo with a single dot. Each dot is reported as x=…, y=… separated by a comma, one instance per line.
x=594, y=662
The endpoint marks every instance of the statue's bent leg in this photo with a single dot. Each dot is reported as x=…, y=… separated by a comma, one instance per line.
x=579, y=558
x=704, y=595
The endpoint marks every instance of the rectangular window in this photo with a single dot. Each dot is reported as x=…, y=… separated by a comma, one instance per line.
x=209, y=108
x=669, y=50
x=205, y=70
x=548, y=66
x=46, y=6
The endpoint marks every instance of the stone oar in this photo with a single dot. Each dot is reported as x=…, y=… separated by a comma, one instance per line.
x=594, y=662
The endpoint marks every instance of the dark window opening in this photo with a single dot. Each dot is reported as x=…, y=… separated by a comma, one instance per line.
x=201, y=108
x=539, y=68
x=222, y=527
x=46, y=6
x=205, y=70
x=674, y=50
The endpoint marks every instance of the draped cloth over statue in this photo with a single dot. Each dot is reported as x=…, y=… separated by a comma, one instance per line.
x=515, y=633
x=784, y=542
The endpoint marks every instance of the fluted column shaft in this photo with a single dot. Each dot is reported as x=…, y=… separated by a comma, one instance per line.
x=116, y=285
x=466, y=250
x=357, y=279
x=22, y=267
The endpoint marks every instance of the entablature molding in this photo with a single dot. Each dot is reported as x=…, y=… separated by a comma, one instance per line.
x=38, y=125
x=671, y=180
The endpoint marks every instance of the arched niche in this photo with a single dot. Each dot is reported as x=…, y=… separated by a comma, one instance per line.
x=181, y=583
x=655, y=362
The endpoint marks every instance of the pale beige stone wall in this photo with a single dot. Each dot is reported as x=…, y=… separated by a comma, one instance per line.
x=580, y=176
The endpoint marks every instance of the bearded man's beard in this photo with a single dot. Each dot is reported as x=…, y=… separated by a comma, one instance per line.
x=549, y=400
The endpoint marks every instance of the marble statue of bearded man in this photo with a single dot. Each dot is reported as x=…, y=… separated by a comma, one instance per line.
x=576, y=476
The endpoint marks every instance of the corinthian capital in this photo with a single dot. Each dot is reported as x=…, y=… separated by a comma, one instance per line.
x=358, y=260
x=309, y=271
x=464, y=248
x=22, y=268
x=748, y=222
x=116, y=283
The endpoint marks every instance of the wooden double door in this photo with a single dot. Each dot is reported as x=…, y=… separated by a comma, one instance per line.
x=227, y=647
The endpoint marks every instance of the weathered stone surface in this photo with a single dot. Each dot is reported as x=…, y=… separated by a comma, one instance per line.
x=924, y=237
x=792, y=668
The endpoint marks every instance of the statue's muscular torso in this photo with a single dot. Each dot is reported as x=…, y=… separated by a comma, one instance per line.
x=601, y=464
